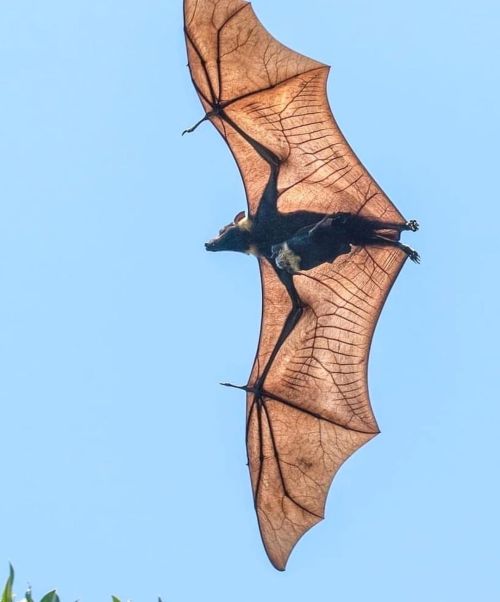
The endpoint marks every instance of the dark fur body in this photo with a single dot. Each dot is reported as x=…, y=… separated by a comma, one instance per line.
x=329, y=238
x=319, y=237
x=303, y=240
x=259, y=235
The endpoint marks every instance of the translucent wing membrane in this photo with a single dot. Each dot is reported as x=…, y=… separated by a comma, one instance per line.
x=315, y=410
x=312, y=410
x=278, y=97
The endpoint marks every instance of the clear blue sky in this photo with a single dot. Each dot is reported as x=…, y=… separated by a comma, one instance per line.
x=122, y=459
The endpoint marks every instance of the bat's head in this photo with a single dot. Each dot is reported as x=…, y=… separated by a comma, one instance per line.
x=233, y=237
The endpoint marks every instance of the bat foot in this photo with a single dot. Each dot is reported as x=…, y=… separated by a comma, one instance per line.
x=413, y=225
x=413, y=255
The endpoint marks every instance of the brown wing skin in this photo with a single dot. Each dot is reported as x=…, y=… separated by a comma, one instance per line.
x=278, y=97
x=315, y=409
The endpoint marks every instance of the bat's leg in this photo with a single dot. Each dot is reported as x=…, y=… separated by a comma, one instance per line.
x=411, y=226
x=322, y=221
x=359, y=222
x=383, y=241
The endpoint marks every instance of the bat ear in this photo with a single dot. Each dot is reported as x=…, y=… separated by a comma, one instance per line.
x=238, y=218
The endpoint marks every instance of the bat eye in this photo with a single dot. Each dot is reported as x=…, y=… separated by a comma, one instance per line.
x=239, y=217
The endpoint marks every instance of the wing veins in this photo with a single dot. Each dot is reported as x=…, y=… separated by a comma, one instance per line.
x=316, y=415
x=204, y=67
x=280, y=470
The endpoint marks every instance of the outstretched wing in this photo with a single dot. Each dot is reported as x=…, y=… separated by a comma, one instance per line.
x=315, y=410
x=278, y=98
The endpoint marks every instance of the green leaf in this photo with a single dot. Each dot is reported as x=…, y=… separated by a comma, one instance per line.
x=115, y=599
x=51, y=597
x=7, y=592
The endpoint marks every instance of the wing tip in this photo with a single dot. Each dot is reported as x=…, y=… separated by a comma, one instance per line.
x=280, y=561
x=279, y=565
x=280, y=568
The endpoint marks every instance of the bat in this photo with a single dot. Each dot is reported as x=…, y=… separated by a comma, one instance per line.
x=327, y=240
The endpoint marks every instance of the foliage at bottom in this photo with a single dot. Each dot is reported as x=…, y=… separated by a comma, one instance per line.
x=8, y=593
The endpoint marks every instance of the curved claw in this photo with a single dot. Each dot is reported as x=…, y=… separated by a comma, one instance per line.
x=192, y=129
x=413, y=225
x=241, y=388
x=414, y=256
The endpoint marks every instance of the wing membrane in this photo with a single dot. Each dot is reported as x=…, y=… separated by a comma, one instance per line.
x=231, y=57
x=315, y=411
x=278, y=97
